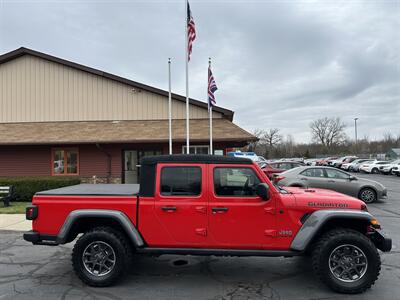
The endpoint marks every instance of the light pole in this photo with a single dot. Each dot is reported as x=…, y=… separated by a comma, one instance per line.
x=355, y=130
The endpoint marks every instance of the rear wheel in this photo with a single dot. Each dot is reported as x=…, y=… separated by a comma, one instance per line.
x=346, y=260
x=367, y=195
x=99, y=257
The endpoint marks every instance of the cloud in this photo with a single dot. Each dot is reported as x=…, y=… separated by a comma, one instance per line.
x=277, y=63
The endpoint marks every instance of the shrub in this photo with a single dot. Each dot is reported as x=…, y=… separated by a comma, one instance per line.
x=26, y=187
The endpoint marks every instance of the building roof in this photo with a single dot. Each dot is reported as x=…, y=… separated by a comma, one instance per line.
x=228, y=114
x=396, y=151
x=89, y=132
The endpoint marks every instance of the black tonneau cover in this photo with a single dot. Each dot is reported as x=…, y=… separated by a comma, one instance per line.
x=95, y=190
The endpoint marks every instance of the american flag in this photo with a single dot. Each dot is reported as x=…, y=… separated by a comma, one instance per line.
x=212, y=87
x=191, y=31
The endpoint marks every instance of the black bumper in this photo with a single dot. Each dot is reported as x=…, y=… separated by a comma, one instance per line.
x=37, y=239
x=382, y=242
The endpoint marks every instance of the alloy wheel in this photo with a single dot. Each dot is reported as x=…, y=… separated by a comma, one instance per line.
x=348, y=263
x=99, y=258
x=368, y=196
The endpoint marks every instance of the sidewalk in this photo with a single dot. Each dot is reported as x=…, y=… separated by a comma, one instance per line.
x=15, y=222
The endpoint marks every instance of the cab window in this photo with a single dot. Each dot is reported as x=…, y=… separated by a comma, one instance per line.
x=235, y=182
x=180, y=181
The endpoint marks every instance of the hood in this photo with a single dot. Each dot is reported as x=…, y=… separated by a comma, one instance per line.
x=323, y=199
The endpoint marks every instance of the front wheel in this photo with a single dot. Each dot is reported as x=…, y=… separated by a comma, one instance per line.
x=100, y=256
x=367, y=195
x=374, y=171
x=346, y=260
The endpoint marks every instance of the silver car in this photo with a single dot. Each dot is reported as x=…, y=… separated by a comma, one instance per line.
x=333, y=179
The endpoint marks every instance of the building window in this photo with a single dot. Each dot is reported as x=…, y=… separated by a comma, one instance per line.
x=196, y=149
x=65, y=161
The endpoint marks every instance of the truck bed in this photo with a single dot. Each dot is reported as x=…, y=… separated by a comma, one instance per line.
x=94, y=190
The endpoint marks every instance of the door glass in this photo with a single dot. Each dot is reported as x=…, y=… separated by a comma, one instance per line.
x=180, y=181
x=235, y=182
x=313, y=173
x=336, y=174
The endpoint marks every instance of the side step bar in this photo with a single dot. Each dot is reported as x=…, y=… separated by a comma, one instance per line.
x=217, y=252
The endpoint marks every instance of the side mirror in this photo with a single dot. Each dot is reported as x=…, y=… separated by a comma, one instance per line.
x=262, y=190
x=351, y=178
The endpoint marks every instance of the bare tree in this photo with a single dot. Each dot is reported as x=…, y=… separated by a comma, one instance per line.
x=259, y=134
x=328, y=131
x=272, y=137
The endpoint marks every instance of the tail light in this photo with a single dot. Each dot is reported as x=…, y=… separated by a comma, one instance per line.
x=31, y=212
x=278, y=178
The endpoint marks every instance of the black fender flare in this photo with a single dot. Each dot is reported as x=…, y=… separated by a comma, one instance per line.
x=318, y=219
x=116, y=215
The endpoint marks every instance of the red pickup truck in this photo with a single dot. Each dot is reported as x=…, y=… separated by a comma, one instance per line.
x=209, y=205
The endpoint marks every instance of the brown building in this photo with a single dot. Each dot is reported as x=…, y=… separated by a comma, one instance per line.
x=59, y=118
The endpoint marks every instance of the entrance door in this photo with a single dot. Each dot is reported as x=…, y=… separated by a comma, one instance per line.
x=130, y=166
x=131, y=163
x=238, y=218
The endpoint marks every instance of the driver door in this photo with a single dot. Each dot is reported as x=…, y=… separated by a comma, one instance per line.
x=340, y=182
x=238, y=218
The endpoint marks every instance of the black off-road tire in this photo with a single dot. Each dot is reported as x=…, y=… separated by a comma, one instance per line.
x=328, y=243
x=118, y=243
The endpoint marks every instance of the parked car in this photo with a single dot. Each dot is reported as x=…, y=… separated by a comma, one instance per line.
x=372, y=167
x=311, y=161
x=356, y=166
x=337, y=163
x=388, y=167
x=269, y=170
x=332, y=179
x=350, y=166
x=208, y=205
x=326, y=161
x=261, y=159
x=277, y=167
x=396, y=170
x=251, y=155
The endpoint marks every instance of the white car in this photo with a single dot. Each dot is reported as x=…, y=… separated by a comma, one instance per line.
x=372, y=167
x=396, y=170
x=388, y=167
x=261, y=159
x=311, y=161
x=350, y=166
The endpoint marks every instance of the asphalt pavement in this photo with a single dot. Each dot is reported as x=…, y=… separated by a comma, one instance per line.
x=43, y=272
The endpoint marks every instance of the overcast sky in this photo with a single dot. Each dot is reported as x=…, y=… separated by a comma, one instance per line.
x=276, y=63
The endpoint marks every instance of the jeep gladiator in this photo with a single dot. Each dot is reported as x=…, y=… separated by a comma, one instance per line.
x=208, y=205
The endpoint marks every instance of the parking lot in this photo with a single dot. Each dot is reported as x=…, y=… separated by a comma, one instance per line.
x=41, y=272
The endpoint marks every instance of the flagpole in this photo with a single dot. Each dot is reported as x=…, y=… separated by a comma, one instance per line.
x=169, y=106
x=210, y=112
x=187, y=78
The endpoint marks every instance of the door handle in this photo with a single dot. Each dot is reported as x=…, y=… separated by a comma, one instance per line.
x=303, y=179
x=168, y=208
x=331, y=181
x=219, y=210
